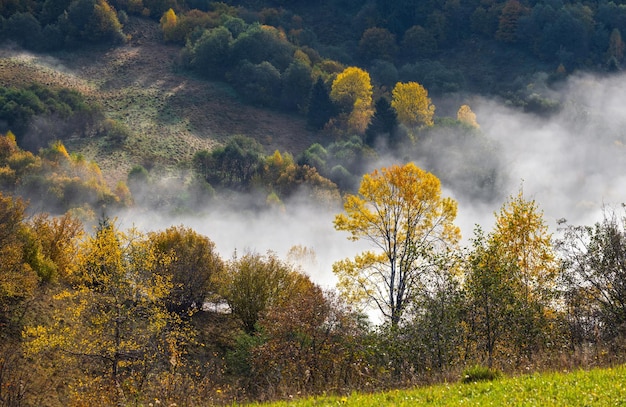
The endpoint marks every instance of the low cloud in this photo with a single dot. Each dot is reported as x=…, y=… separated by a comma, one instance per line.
x=571, y=163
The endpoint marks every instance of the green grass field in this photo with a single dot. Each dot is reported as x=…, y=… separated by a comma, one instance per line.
x=598, y=387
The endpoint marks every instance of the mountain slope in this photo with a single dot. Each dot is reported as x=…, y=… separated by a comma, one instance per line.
x=170, y=114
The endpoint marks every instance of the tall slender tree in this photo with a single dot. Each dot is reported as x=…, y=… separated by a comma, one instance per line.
x=401, y=212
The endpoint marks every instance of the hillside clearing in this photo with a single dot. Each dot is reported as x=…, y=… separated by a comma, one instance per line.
x=169, y=113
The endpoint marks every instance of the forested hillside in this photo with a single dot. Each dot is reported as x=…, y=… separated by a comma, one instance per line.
x=137, y=136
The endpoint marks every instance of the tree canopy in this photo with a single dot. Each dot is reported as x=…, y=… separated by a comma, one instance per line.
x=401, y=212
x=412, y=104
x=352, y=91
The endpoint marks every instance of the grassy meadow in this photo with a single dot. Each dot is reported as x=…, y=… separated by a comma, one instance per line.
x=598, y=387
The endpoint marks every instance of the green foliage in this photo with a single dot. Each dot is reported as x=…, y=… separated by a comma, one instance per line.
x=597, y=387
x=156, y=8
x=315, y=156
x=352, y=154
x=595, y=277
x=511, y=281
x=233, y=165
x=321, y=108
x=19, y=106
x=24, y=29
x=193, y=267
x=255, y=282
x=377, y=43
x=211, y=53
x=433, y=75
x=418, y=42
x=383, y=125
x=187, y=27
x=51, y=10
x=55, y=24
x=384, y=73
x=491, y=296
x=296, y=83
x=239, y=359
x=54, y=177
x=478, y=373
x=235, y=25
x=91, y=21
x=263, y=44
x=258, y=84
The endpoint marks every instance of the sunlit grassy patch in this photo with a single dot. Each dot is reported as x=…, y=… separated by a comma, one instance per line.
x=598, y=387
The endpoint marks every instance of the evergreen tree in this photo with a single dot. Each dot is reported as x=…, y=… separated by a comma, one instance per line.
x=384, y=122
x=321, y=108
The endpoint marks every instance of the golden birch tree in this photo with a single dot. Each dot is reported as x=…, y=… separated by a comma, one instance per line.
x=522, y=237
x=352, y=90
x=412, y=104
x=400, y=211
x=466, y=116
x=510, y=282
x=169, y=22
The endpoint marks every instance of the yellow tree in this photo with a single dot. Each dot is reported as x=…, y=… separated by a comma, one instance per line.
x=466, y=116
x=522, y=236
x=352, y=91
x=114, y=321
x=18, y=280
x=169, y=21
x=400, y=211
x=412, y=104
x=58, y=237
x=284, y=177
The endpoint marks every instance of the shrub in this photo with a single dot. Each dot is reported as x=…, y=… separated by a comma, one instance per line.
x=384, y=73
x=24, y=29
x=296, y=86
x=377, y=43
x=261, y=43
x=478, y=373
x=211, y=51
x=91, y=21
x=115, y=131
x=258, y=84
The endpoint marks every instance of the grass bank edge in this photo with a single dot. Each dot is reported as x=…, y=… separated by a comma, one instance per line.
x=595, y=387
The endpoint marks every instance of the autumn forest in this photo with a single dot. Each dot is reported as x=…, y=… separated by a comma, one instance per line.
x=207, y=203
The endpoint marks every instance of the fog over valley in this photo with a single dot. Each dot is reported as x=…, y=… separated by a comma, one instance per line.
x=181, y=222
x=572, y=164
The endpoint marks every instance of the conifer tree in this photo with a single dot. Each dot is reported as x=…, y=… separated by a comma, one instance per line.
x=384, y=122
x=321, y=108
